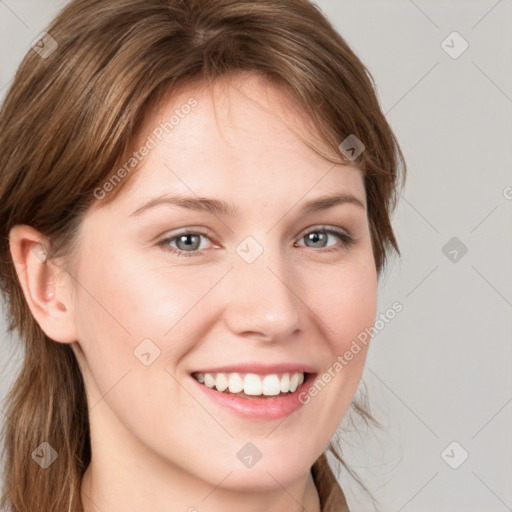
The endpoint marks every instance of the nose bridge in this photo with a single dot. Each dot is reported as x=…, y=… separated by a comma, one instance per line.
x=263, y=300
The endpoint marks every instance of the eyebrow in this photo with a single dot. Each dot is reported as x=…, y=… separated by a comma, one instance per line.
x=218, y=207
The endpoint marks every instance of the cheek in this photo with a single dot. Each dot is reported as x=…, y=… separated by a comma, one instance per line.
x=123, y=301
x=346, y=303
x=345, y=307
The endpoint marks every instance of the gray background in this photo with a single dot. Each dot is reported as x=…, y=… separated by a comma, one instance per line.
x=441, y=370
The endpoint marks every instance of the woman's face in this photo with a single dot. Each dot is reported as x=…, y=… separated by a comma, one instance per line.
x=166, y=294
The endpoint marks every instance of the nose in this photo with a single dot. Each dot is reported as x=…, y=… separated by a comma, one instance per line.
x=262, y=298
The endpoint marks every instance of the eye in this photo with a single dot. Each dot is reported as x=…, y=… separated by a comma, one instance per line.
x=319, y=237
x=187, y=243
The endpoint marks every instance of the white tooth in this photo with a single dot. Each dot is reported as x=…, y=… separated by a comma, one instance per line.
x=294, y=382
x=285, y=383
x=236, y=383
x=209, y=380
x=252, y=384
x=271, y=385
x=221, y=382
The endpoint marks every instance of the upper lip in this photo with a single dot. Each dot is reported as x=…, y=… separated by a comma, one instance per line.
x=259, y=368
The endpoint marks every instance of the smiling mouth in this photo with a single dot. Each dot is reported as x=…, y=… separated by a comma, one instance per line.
x=252, y=385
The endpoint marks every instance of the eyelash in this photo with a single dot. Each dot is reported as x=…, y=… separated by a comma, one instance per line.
x=346, y=239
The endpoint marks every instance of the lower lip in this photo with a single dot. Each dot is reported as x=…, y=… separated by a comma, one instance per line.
x=271, y=408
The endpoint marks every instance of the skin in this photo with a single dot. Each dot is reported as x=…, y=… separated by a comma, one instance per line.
x=157, y=442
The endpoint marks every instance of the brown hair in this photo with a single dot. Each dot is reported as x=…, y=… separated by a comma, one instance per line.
x=71, y=117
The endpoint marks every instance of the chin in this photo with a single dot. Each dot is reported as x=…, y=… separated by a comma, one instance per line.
x=265, y=477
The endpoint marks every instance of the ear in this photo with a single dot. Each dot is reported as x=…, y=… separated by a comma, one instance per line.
x=47, y=287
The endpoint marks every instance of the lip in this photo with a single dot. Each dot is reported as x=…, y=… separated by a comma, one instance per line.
x=257, y=409
x=259, y=369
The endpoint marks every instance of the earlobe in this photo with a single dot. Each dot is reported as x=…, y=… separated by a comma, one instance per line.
x=46, y=286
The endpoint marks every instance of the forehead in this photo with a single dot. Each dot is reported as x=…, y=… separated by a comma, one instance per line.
x=239, y=138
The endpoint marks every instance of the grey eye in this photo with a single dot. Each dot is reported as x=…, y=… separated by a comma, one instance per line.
x=189, y=241
x=318, y=238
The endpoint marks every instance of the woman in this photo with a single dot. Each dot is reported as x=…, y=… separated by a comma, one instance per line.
x=195, y=204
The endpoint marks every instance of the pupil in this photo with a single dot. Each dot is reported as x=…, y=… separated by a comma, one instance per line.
x=184, y=238
x=315, y=237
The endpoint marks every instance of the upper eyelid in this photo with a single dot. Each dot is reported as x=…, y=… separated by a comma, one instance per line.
x=323, y=227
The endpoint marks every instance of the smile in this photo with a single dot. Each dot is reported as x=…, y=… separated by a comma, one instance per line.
x=251, y=384
x=258, y=397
